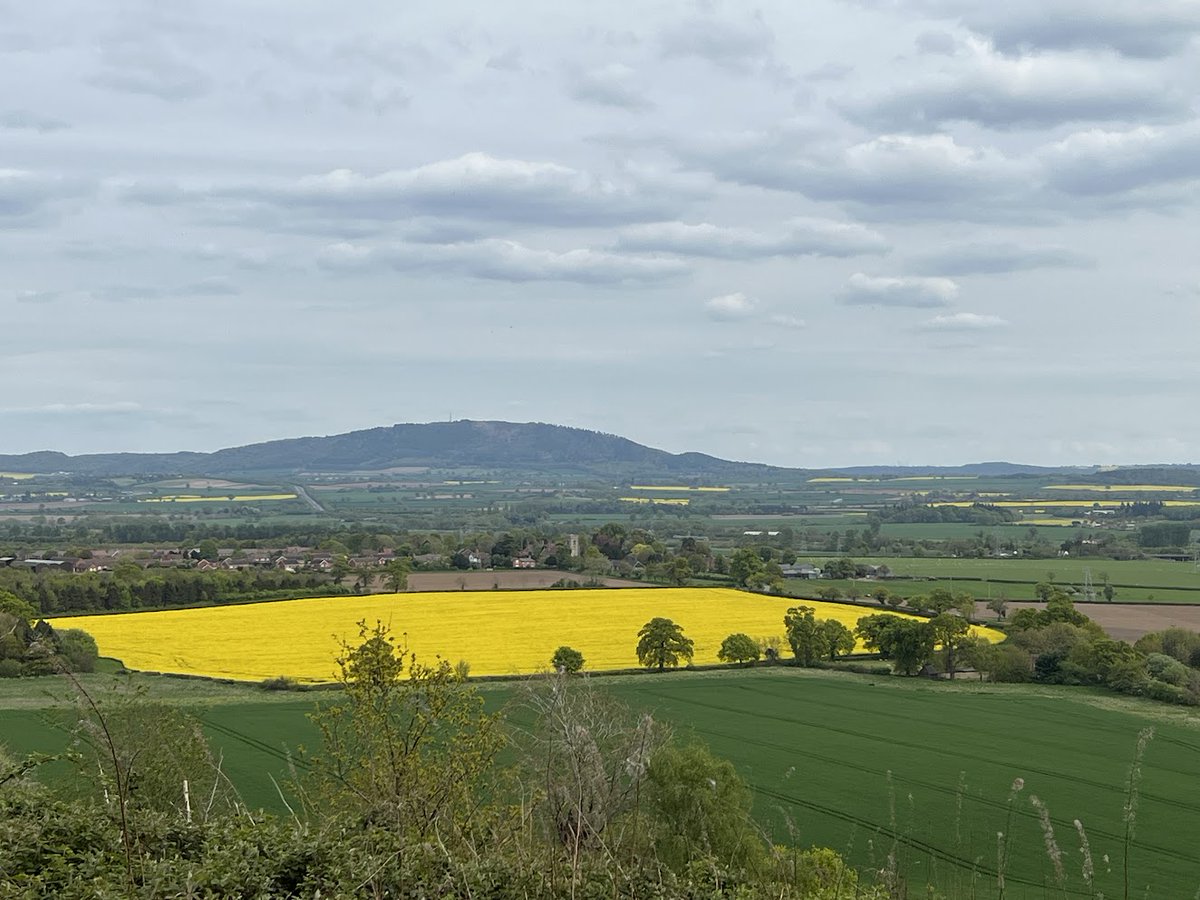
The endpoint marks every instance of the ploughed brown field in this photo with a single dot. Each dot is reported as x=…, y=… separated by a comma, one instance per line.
x=1122, y=621
x=503, y=579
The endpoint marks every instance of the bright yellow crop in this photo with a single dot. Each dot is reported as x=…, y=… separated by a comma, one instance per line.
x=1125, y=488
x=497, y=632
x=196, y=498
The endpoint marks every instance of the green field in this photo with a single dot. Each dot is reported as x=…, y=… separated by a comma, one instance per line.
x=833, y=754
x=1140, y=580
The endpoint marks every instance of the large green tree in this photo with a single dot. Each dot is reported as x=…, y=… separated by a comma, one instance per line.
x=662, y=644
x=739, y=648
x=804, y=634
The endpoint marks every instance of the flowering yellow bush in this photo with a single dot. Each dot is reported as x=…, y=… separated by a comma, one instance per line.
x=497, y=632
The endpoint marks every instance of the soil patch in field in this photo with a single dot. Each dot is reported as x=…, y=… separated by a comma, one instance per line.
x=1122, y=621
x=504, y=579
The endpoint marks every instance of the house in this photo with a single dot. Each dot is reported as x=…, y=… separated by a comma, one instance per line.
x=524, y=562
x=803, y=570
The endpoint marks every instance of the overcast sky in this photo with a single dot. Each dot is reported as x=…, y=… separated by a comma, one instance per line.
x=810, y=234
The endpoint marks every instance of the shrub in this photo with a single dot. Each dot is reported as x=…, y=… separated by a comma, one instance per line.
x=78, y=650
x=11, y=668
x=280, y=683
x=567, y=659
x=1166, y=668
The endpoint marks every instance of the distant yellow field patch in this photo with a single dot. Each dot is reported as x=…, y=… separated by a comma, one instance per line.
x=17, y=476
x=1126, y=488
x=936, y=478
x=236, y=498
x=665, y=501
x=675, y=487
x=497, y=632
x=1040, y=521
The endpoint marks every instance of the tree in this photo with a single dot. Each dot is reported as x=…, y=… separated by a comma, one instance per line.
x=838, y=639
x=829, y=592
x=882, y=595
x=910, y=645
x=949, y=630
x=746, y=568
x=662, y=644
x=679, y=571
x=567, y=660
x=77, y=649
x=999, y=606
x=739, y=648
x=395, y=575
x=404, y=746
x=804, y=634
x=940, y=600
x=14, y=606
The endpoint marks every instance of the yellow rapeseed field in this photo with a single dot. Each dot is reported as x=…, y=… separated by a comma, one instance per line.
x=1060, y=504
x=17, y=476
x=497, y=632
x=676, y=487
x=1125, y=488
x=197, y=498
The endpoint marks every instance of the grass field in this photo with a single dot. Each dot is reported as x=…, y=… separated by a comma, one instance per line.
x=497, y=632
x=833, y=755
x=1135, y=580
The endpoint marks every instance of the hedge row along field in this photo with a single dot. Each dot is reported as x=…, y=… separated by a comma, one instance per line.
x=497, y=633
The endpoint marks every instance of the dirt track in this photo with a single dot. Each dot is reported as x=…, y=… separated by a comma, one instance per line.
x=1122, y=621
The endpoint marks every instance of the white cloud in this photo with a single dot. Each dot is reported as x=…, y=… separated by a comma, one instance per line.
x=800, y=237
x=502, y=260
x=868, y=290
x=787, y=321
x=987, y=88
x=731, y=307
x=963, y=321
x=473, y=186
x=1099, y=162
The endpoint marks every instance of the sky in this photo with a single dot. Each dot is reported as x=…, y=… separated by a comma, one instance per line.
x=839, y=232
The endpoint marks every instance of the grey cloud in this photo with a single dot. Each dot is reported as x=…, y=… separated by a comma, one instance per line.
x=1099, y=163
x=500, y=260
x=993, y=259
x=1030, y=92
x=868, y=290
x=938, y=43
x=829, y=72
x=24, y=120
x=132, y=293
x=740, y=46
x=1144, y=29
x=149, y=66
x=475, y=186
x=28, y=296
x=889, y=177
x=802, y=237
x=615, y=84
x=27, y=198
x=509, y=60
x=1136, y=28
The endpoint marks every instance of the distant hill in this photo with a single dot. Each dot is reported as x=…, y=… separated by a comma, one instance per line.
x=461, y=444
x=530, y=447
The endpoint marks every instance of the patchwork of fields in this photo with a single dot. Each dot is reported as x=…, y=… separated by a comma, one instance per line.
x=497, y=632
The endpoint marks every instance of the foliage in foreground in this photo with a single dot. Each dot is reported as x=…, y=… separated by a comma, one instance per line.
x=406, y=799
